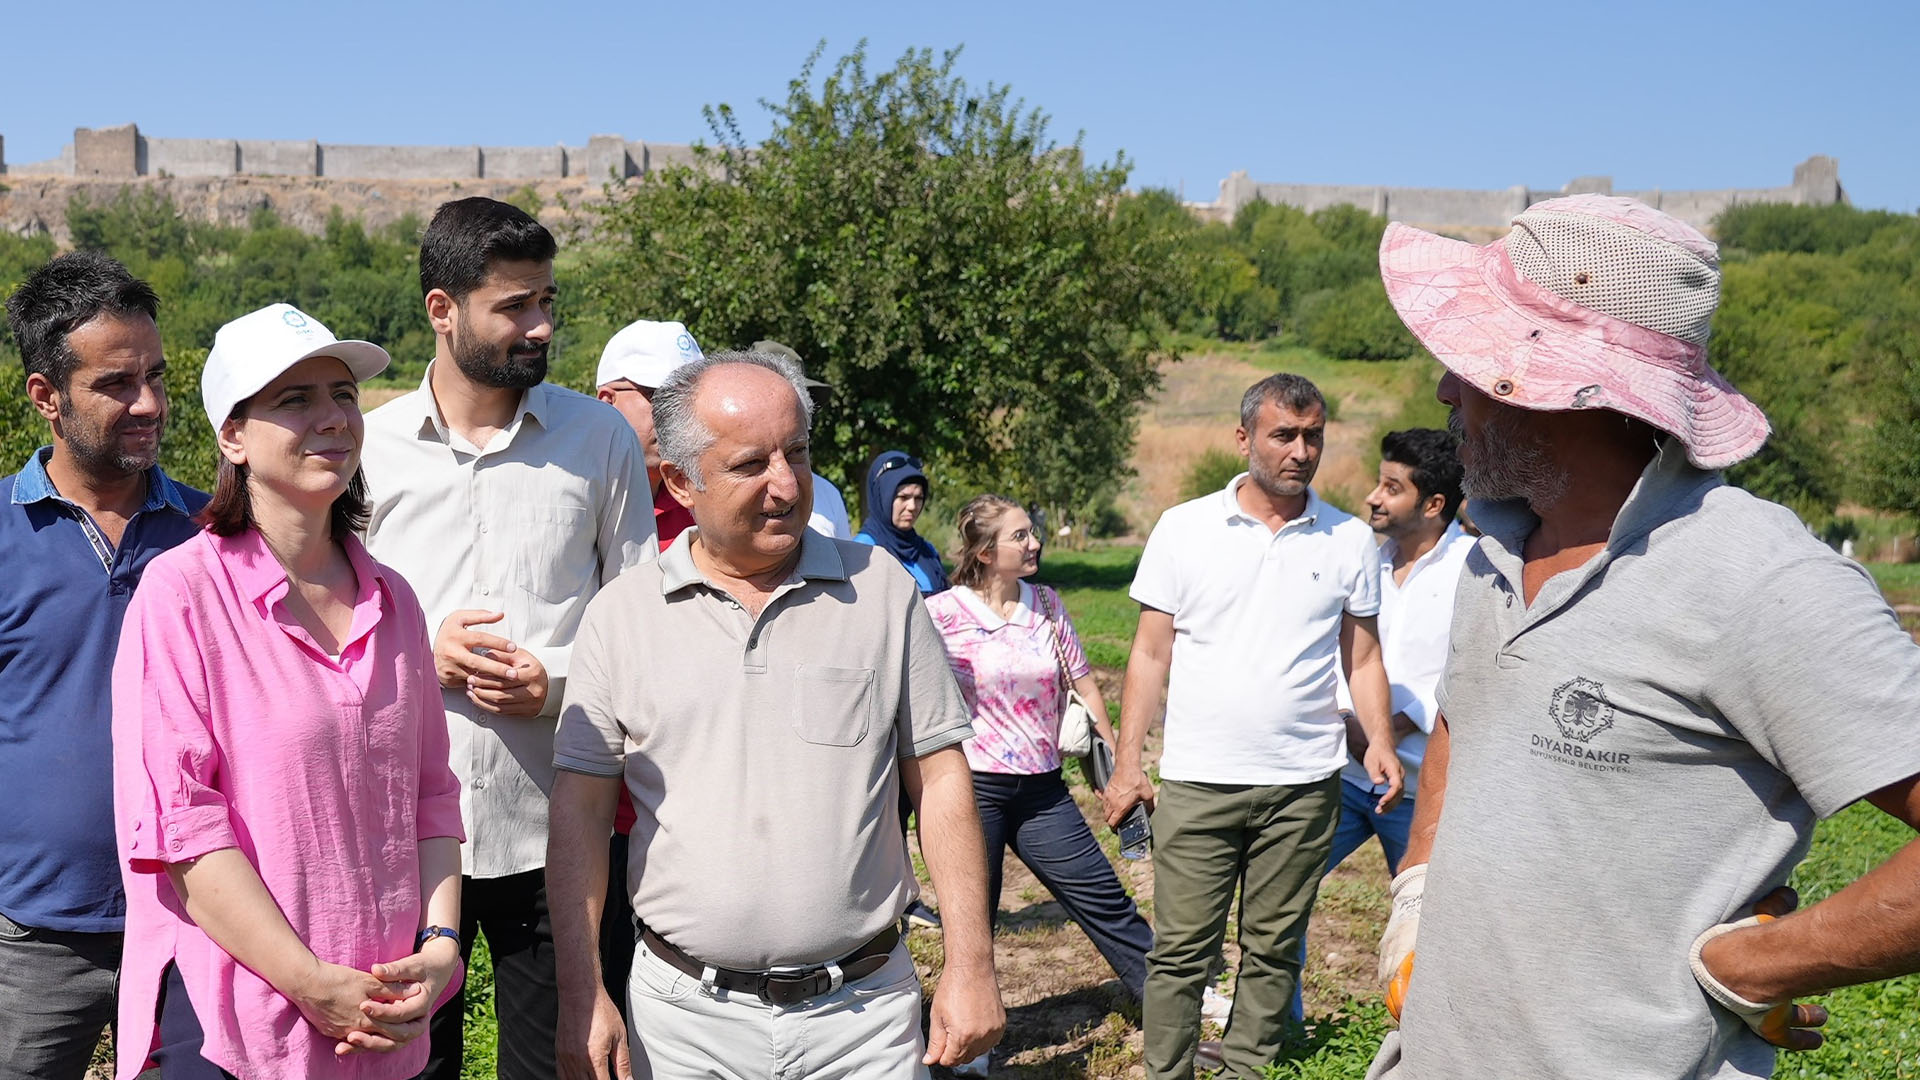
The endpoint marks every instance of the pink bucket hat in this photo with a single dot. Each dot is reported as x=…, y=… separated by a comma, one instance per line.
x=1591, y=302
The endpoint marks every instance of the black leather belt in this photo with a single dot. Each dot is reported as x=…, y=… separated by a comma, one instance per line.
x=782, y=986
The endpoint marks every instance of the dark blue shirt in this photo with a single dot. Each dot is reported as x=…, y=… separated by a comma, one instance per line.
x=63, y=594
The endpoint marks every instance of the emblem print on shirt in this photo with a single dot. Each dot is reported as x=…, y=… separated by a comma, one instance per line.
x=1580, y=709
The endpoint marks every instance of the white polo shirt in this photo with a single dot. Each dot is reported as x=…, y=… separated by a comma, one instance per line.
x=1415, y=620
x=1256, y=622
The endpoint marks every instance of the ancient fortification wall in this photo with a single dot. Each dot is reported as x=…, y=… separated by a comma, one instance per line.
x=124, y=153
x=1816, y=182
x=227, y=175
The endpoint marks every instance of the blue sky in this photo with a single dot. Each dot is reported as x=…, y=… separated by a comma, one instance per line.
x=1673, y=95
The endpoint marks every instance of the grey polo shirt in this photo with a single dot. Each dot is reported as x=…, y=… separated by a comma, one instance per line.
x=761, y=753
x=1639, y=755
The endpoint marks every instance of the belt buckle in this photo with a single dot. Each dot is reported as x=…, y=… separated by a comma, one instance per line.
x=787, y=986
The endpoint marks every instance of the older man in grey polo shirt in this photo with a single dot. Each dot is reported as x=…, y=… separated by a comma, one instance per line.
x=1658, y=683
x=766, y=691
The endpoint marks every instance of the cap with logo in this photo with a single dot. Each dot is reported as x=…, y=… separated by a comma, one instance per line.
x=258, y=347
x=645, y=352
x=1591, y=302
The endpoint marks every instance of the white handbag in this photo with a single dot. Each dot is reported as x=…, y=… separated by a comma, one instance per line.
x=1076, y=720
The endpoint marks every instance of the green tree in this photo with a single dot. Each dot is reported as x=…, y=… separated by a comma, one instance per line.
x=964, y=282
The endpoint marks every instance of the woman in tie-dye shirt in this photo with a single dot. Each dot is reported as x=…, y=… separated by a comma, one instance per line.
x=1000, y=642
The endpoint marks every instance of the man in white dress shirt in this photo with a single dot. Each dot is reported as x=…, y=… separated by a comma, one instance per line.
x=507, y=503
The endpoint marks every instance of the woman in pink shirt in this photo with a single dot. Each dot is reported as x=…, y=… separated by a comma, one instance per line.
x=288, y=824
x=1000, y=642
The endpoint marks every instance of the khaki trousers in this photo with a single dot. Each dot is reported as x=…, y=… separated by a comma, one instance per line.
x=1269, y=841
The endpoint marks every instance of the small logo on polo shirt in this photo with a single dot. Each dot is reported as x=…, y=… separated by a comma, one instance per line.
x=1580, y=709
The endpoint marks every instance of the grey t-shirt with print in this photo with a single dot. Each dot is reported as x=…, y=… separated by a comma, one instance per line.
x=1641, y=754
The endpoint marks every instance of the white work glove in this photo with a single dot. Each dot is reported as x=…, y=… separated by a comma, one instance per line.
x=1782, y=1023
x=1396, y=944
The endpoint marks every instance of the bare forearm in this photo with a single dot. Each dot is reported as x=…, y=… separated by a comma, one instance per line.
x=1373, y=702
x=1868, y=931
x=1433, y=794
x=1139, y=702
x=951, y=841
x=440, y=881
x=225, y=897
x=580, y=823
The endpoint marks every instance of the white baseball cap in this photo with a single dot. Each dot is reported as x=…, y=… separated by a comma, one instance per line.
x=256, y=348
x=646, y=352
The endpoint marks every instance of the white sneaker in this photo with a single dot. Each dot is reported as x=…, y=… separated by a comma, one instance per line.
x=976, y=1067
x=1215, y=1006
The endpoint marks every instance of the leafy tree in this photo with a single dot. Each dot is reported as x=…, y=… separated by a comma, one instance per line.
x=963, y=281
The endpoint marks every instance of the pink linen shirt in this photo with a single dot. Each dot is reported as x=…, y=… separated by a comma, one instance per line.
x=1009, y=676
x=233, y=729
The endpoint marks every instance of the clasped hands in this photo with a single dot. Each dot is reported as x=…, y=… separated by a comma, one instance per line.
x=497, y=675
x=377, y=1011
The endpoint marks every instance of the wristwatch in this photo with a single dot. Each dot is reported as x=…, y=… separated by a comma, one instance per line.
x=432, y=932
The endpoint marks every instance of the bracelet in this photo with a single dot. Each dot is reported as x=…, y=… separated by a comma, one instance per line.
x=432, y=932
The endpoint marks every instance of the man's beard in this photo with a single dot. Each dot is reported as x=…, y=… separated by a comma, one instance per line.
x=97, y=450
x=1506, y=461
x=1274, y=484
x=517, y=367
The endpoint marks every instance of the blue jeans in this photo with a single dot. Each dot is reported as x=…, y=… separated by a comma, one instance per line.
x=1037, y=818
x=1357, y=822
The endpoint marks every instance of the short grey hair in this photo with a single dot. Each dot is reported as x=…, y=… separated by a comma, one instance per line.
x=1294, y=393
x=682, y=437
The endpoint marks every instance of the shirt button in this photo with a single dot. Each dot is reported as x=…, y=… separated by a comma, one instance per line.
x=486, y=590
x=174, y=844
x=483, y=526
x=479, y=782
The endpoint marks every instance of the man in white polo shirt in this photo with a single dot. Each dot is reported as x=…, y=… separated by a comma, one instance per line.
x=1250, y=600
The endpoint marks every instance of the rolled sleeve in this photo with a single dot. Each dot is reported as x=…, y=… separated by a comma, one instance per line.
x=932, y=714
x=439, y=807
x=167, y=809
x=590, y=739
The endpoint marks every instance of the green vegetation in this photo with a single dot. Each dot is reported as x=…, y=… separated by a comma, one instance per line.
x=958, y=276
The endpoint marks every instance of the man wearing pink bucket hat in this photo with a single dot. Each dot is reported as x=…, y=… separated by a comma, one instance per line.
x=1658, y=684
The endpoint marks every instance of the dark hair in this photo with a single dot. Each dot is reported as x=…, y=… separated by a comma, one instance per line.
x=466, y=236
x=979, y=528
x=1432, y=458
x=1292, y=392
x=64, y=295
x=230, y=511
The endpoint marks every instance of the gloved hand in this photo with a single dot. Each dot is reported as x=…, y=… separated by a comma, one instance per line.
x=1781, y=1023
x=1396, y=944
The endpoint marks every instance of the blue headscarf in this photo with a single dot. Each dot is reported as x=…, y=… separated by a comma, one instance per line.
x=884, y=478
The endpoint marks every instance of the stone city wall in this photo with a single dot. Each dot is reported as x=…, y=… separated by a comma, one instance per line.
x=1816, y=182
x=124, y=153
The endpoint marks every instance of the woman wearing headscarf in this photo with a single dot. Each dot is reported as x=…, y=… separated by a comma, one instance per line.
x=288, y=823
x=896, y=492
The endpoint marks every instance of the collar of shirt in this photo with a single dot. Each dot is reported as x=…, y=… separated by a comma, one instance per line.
x=33, y=484
x=989, y=619
x=533, y=402
x=259, y=577
x=1434, y=554
x=819, y=561
x=1669, y=488
x=1307, y=517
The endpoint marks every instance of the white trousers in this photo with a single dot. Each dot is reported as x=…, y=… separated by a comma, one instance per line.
x=866, y=1030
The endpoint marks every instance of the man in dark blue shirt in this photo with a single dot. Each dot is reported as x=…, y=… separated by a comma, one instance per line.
x=78, y=523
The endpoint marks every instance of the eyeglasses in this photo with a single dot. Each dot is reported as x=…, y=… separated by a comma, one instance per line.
x=901, y=462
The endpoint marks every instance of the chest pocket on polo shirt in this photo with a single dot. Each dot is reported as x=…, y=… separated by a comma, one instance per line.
x=555, y=559
x=834, y=705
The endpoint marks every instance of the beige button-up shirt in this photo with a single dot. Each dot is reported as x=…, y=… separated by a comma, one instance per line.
x=762, y=751
x=555, y=506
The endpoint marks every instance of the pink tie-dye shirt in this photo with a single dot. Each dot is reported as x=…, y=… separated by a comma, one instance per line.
x=1009, y=675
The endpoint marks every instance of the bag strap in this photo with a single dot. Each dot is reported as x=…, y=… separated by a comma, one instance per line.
x=1041, y=593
